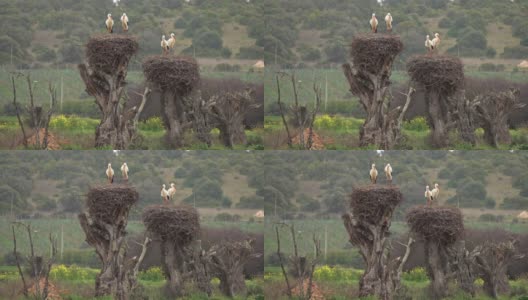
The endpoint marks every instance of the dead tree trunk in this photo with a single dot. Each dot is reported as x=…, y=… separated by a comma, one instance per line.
x=173, y=109
x=437, y=268
x=199, y=267
x=368, y=75
x=437, y=117
x=104, y=223
x=173, y=259
x=368, y=225
x=228, y=111
x=491, y=261
x=201, y=121
x=461, y=262
x=493, y=111
x=461, y=112
x=104, y=74
x=227, y=262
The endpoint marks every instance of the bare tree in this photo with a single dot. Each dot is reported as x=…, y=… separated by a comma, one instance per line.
x=493, y=111
x=368, y=75
x=40, y=268
x=39, y=120
x=104, y=74
x=227, y=262
x=301, y=117
x=301, y=267
x=462, y=263
x=491, y=261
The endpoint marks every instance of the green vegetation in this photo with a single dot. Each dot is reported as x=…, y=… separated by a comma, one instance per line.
x=318, y=32
x=342, y=283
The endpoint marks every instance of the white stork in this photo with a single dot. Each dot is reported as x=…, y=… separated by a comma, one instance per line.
x=436, y=41
x=124, y=171
x=109, y=23
x=373, y=174
x=164, y=195
x=171, y=41
x=428, y=44
x=388, y=173
x=124, y=22
x=374, y=23
x=171, y=191
x=164, y=45
x=428, y=195
x=388, y=21
x=110, y=173
x=435, y=192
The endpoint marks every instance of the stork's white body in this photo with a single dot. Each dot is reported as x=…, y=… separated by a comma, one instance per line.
x=436, y=41
x=171, y=191
x=374, y=23
x=428, y=195
x=373, y=174
x=109, y=23
x=388, y=21
x=110, y=173
x=124, y=22
x=171, y=41
x=388, y=172
x=435, y=192
x=124, y=171
x=164, y=195
x=164, y=45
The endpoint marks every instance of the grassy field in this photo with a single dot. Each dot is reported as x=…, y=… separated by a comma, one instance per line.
x=342, y=132
x=72, y=282
x=342, y=283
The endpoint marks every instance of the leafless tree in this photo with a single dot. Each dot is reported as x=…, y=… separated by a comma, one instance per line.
x=301, y=117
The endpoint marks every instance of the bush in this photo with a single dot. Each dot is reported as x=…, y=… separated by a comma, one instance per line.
x=489, y=67
x=152, y=274
x=328, y=273
x=516, y=202
x=226, y=217
x=152, y=124
x=416, y=124
x=517, y=52
x=224, y=67
x=491, y=218
x=73, y=272
x=417, y=275
x=64, y=122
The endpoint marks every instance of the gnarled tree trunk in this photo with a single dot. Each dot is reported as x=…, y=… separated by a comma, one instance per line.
x=173, y=109
x=462, y=115
x=493, y=111
x=173, y=258
x=461, y=262
x=437, y=267
x=438, y=118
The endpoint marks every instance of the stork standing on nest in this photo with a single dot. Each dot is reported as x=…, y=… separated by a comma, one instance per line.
x=388, y=21
x=374, y=23
x=373, y=174
x=109, y=23
x=164, y=45
x=435, y=192
x=428, y=195
x=171, y=191
x=388, y=173
x=164, y=195
x=171, y=41
x=124, y=171
x=428, y=44
x=110, y=173
x=436, y=41
x=124, y=22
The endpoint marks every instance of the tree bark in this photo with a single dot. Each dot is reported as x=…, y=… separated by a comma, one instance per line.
x=462, y=262
x=462, y=113
x=438, y=118
x=382, y=126
x=173, y=109
x=173, y=259
x=436, y=263
x=116, y=128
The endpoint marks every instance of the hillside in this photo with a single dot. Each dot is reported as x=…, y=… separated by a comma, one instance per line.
x=46, y=33
x=319, y=32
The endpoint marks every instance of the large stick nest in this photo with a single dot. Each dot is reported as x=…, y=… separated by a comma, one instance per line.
x=371, y=202
x=441, y=73
x=106, y=52
x=443, y=224
x=371, y=52
x=179, y=224
x=180, y=74
x=106, y=203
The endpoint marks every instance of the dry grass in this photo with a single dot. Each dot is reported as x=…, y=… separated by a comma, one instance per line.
x=233, y=188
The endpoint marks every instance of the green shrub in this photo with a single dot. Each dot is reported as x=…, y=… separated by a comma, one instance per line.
x=73, y=272
x=416, y=124
x=417, y=275
x=328, y=273
x=152, y=124
x=152, y=274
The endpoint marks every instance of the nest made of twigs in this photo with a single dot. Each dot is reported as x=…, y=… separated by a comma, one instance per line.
x=441, y=73
x=179, y=224
x=180, y=74
x=371, y=52
x=371, y=202
x=106, y=52
x=443, y=224
x=108, y=202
